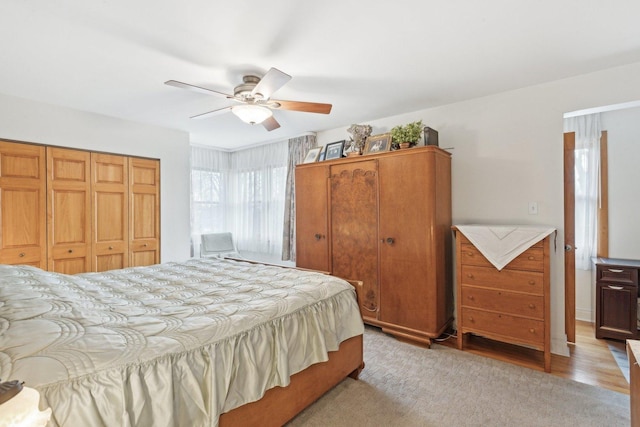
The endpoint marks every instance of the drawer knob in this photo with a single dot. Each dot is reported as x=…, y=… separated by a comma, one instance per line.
x=531, y=258
x=532, y=306
x=70, y=251
x=470, y=254
x=533, y=331
x=532, y=282
x=471, y=319
x=471, y=297
x=21, y=254
x=145, y=245
x=470, y=276
x=110, y=247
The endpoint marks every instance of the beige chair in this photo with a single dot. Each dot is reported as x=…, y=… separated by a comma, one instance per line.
x=219, y=245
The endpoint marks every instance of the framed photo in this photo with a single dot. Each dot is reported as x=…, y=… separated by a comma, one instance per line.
x=312, y=155
x=377, y=144
x=323, y=151
x=334, y=150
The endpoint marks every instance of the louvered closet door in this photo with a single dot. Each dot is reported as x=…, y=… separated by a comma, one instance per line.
x=68, y=210
x=110, y=207
x=144, y=205
x=22, y=204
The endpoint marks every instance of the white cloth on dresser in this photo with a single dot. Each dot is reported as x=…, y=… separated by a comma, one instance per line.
x=501, y=244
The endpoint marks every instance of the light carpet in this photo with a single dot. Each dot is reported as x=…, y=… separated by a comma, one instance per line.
x=407, y=385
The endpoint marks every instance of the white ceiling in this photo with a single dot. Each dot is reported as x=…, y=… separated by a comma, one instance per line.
x=370, y=59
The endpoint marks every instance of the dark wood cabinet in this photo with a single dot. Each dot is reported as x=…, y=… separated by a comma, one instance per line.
x=617, y=298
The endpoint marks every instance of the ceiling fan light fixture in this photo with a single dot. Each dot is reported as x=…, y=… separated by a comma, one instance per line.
x=252, y=114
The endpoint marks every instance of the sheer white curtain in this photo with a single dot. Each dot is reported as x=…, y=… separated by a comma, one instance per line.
x=241, y=192
x=587, y=185
x=256, y=197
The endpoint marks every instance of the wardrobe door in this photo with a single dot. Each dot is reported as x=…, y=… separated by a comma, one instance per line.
x=68, y=210
x=23, y=204
x=144, y=212
x=405, y=207
x=354, y=228
x=312, y=241
x=110, y=207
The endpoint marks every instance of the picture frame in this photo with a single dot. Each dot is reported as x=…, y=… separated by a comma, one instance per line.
x=334, y=150
x=323, y=151
x=312, y=155
x=377, y=144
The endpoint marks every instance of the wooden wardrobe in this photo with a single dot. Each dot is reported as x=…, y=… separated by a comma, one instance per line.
x=385, y=220
x=74, y=211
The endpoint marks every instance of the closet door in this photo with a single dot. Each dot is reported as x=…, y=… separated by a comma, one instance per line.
x=110, y=207
x=312, y=240
x=68, y=210
x=23, y=204
x=354, y=229
x=144, y=212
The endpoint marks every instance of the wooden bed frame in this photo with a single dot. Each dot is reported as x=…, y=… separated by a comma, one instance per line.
x=281, y=404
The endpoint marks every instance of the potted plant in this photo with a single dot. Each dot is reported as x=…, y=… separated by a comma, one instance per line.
x=406, y=135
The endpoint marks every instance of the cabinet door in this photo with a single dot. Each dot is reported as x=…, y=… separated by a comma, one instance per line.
x=312, y=247
x=68, y=210
x=110, y=207
x=23, y=204
x=407, y=268
x=354, y=229
x=144, y=205
x=616, y=311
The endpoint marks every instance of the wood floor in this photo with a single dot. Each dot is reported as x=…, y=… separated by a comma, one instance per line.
x=591, y=361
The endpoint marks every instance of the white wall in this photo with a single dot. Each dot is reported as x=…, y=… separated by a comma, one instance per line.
x=623, y=129
x=508, y=150
x=30, y=121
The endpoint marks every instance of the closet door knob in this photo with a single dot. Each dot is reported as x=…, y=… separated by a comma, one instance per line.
x=390, y=240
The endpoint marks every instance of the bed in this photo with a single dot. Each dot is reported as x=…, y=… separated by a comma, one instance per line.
x=202, y=343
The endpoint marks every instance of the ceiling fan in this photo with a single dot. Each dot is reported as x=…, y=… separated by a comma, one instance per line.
x=253, y=96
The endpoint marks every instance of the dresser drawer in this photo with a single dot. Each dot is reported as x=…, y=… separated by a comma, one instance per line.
x=513, y=280
x=532, y=259
x=617, y=274
x=518, y=304
x=523, y=330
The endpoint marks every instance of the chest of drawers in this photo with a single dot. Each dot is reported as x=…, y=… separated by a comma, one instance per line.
x=616, y=298
x=509, y=305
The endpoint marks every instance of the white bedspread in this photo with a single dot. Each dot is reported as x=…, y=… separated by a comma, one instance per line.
x=166, y=345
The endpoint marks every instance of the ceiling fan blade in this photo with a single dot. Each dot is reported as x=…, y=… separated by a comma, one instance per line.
x=270, y=82
x=211, y=113
x=307, y=107
x=193, y=88
x=270, y=124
